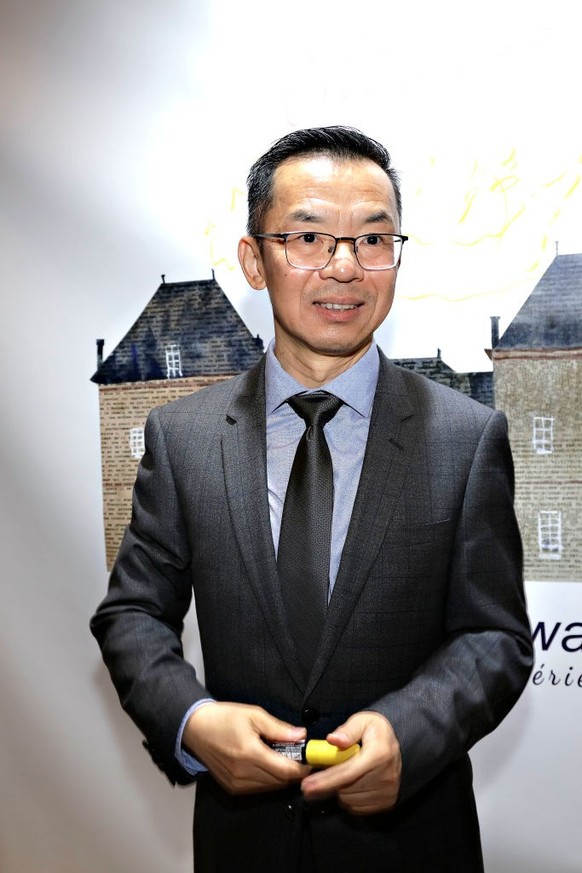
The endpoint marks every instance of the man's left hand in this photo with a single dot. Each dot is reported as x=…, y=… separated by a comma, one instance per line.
x=368, y=782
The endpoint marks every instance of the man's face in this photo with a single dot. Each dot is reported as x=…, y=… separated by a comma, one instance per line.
x=330, y=313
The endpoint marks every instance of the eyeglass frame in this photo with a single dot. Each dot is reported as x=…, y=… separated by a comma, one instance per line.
x=337, y=239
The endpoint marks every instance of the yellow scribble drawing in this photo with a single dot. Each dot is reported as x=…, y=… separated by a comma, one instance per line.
x=236, y=193
x=511, y=160
x=573, y=187
x=215, y=242
x=494, y=234
x=505, y=211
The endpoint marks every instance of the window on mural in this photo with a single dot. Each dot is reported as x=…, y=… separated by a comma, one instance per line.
x=173, y=361
x=543, y=434
x=550, y=533
x=136, y=442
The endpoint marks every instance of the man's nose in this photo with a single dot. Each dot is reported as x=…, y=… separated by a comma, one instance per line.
x=344, y=264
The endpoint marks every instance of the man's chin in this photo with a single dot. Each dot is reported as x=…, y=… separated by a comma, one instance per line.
x=336, y=348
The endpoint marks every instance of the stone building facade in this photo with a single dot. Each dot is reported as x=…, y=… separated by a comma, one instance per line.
x=123, y=410
x=538, y=384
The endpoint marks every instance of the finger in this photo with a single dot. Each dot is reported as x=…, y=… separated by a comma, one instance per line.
x=281, y=733
x=275, y=730
x=279, y=764
x=367, y=802
x=261, y=768
x=250, y=776
x=344, y=773
x=334, y=778
x=345, y=736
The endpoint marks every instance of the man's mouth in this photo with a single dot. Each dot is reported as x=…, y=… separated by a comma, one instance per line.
x=338, y=306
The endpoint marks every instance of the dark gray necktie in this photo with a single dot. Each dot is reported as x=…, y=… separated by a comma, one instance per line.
x=305, y=539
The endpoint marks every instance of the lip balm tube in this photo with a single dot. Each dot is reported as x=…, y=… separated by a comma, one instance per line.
x=317, y=753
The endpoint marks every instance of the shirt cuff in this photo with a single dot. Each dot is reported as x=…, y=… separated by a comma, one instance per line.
x=190, y=764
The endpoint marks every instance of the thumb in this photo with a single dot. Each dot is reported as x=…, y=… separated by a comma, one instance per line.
x=347, y=734
x=275, y=730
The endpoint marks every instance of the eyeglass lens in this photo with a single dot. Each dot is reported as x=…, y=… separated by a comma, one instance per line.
x=376, y=251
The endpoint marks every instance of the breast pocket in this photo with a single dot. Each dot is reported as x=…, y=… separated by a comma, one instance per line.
x=416, y=557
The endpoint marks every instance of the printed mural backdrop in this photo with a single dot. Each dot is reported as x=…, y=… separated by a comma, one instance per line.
x=126, y=134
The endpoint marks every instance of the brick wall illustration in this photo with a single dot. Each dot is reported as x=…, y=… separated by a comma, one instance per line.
x=123, y=410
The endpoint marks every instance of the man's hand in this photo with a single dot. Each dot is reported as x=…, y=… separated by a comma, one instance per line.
x=227, y=739
x=370, y=781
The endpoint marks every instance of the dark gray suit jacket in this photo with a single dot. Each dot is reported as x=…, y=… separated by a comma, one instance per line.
x=426, y=623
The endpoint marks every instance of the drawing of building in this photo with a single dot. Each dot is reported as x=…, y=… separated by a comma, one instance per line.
x=537, y=367
x=188, y=336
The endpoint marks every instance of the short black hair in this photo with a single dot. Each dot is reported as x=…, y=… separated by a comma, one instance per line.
x=336, y=141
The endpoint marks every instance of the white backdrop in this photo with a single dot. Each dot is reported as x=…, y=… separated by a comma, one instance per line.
x=126, y=133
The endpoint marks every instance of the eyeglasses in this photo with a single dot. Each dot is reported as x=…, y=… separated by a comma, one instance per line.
x=307, y=250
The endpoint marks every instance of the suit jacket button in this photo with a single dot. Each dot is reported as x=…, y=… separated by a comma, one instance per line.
x=309, y=716
x=289, y=812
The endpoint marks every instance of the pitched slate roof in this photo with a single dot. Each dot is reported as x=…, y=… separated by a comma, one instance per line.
x=198, y=316
x=479, y=386
x=551, y=317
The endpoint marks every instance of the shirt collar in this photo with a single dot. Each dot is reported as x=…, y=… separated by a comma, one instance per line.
x=356, y=386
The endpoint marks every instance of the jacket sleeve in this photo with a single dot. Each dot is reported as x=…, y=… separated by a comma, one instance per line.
x=468, y=685
x=139, y=623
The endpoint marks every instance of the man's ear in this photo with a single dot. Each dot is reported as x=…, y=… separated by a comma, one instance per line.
x=251, y=261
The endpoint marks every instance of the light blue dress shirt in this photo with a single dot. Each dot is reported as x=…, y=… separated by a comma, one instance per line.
x=346, y=435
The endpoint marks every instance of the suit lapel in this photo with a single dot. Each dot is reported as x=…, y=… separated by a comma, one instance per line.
x=388, y=452
x=245, y=471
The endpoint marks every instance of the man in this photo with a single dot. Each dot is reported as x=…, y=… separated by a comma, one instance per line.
x=425, y=643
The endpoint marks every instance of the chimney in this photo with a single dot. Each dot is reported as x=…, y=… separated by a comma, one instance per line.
x=494, y=336
x=100, y=344
x=494, y=330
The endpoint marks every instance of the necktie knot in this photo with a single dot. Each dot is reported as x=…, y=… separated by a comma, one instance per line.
x=315, y=409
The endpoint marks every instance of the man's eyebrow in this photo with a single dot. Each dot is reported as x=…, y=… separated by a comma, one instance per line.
x=382, y=215
x=305, y=215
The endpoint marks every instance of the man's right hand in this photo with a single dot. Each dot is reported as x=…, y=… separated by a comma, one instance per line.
x=228, y=739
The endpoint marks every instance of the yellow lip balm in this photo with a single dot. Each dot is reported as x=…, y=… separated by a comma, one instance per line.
x=317, y=753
